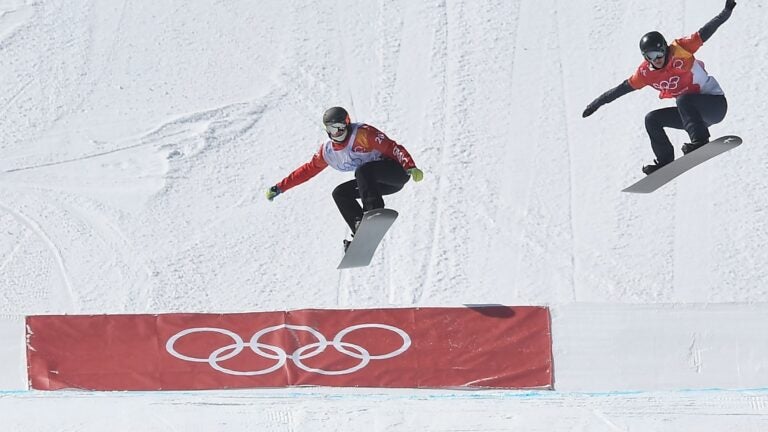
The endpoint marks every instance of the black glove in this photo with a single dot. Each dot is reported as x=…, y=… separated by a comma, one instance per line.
x=273, y=192
x=730, y=4
x=591, y=108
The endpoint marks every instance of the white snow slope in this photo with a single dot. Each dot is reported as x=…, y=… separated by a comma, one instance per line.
x=138, y=139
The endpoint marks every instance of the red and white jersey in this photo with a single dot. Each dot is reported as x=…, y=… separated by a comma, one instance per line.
x=682, y=74
x=364, y=143
x=348, y=157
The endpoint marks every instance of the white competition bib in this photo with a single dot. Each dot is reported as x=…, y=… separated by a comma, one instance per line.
x=345, y=159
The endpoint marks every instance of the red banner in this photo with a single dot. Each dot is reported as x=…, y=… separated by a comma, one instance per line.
x=493, y=347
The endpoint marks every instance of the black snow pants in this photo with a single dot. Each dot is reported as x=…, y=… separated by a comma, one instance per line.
x=694, y=113
x=372, y=180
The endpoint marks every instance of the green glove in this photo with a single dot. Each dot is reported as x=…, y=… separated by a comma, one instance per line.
x=416, y=174
x=273, y=192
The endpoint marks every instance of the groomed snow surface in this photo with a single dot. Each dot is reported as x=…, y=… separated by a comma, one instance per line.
x=138, y=139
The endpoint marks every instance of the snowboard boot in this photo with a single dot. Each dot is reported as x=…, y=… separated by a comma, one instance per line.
x=689, y=147
x=348, y=242
x=647, y=169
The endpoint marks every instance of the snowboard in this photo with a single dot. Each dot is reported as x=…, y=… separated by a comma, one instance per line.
x=373, y=226
x=668, y=172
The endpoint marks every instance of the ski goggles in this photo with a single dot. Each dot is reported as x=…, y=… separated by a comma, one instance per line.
x=654, y=55
x=336, y=129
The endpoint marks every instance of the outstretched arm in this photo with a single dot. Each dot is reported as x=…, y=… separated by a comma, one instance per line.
x=709, y=28
x=394, y=151
x=299, y=176
x=607, y=97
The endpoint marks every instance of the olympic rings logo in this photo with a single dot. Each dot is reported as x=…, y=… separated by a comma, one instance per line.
x=279, y=354
x=667, y=85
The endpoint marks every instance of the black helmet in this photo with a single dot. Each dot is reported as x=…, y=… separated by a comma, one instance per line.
x=336, y=121
x=653, y=41
x=336, y=115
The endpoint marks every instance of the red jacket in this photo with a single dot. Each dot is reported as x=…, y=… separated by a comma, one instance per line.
x=682, y=74
x=368, y=141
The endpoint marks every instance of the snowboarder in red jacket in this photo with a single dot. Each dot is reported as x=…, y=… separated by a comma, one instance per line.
x=381, y=166
x=675, y=73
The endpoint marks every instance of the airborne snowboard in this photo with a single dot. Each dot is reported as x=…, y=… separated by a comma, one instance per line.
x=665, y=174
x=369, y=234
